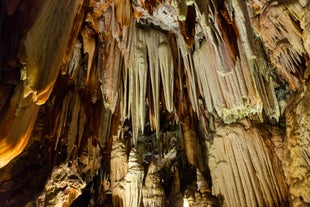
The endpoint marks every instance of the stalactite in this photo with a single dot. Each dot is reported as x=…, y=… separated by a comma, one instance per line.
x=167, y=73
x=104, y=127
x=232, y=97
x=246, y=95
x=185, y=55
x=282, y=39
x=127, y=48
x=255, y=59
x=75, y=60
x=62, y=120
x=81, y=123
x=92, y=160
x=125, y=96
x=154, y=69
x=111, y=73
x=89, y=46
x=210, y=75
x=137, y=85
x=151, y=55
x=75, y=107
x=123, y=12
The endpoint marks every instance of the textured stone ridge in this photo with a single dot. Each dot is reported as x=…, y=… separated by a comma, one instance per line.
x=297, y=146
x=64, y=186
x=242, y=168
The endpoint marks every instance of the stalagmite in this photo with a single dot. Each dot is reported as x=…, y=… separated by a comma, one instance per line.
x=176, y=198
x=153, y=192
x=127, y=183
x=119, y=168
x=204, y=192
x=132, y=182
x=189, y=137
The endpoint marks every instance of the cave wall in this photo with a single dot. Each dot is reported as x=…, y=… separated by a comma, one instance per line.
x=154, y=103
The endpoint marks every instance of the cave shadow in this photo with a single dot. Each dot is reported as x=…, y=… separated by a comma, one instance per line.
x=24, y=178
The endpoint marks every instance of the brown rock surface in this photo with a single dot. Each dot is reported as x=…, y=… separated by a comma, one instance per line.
x=154, y=102
x=243, y=169
x=297, y=151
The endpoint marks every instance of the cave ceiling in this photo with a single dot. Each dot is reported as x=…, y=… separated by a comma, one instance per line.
x=155, y=103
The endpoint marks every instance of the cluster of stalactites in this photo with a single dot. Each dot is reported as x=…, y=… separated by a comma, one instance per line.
x=136, y=68
x=136, y=63
x=284, y=38
x=227, y=65
x=224, y=62
x=151, y=68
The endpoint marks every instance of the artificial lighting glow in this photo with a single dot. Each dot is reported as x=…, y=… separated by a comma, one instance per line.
x=185, y=202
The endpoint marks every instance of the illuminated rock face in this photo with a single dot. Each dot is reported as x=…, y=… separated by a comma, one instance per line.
x=296, y=147
x=243, y=168
x=157, y=103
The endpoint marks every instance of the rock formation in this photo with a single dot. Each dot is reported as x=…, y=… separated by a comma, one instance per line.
x=154, y=103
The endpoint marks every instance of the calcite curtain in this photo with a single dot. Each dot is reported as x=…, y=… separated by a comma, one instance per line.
x=154, y=103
